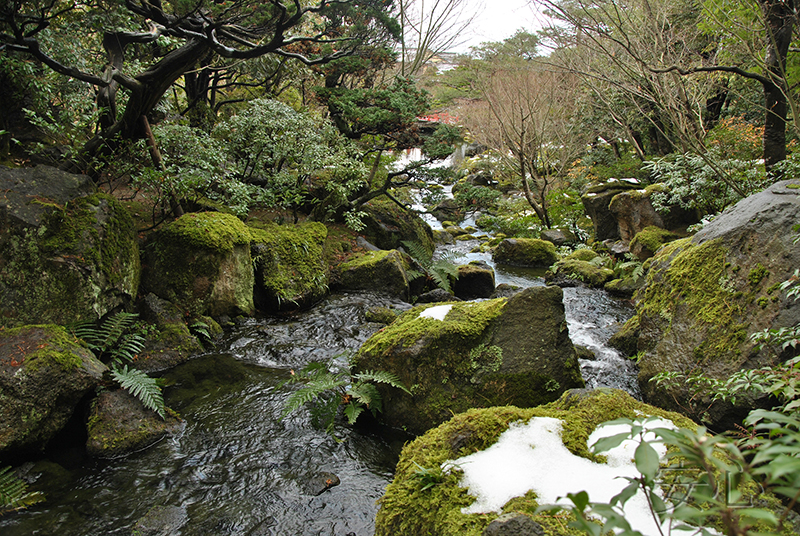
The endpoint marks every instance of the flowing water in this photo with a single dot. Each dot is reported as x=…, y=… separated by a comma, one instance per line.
x=235, y=468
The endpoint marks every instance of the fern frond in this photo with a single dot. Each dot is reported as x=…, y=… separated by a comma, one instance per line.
x=352, y=411
x=142, y=386
x=310, y=392
x=413, y=275
x=441, y=281
x=367, y=394
x=418, y=252
x=381, y=376
x=14, y=493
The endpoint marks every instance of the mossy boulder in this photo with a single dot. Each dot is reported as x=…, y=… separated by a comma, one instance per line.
x=584, y=271
x=559, y=237
x=704, y=296
x=475, y=280
x=172, y=343
x=528, y=252
x=66, y=256
x=406, y=509
x=583, y=254
x=388, y=225
x=377, y=271
x=44, y=373
x=647, y=241
x=201, y=262
x=290, y=268
x=495, y=352
x=119, y=424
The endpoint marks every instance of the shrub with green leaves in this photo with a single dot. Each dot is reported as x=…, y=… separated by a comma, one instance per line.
x=325, y=391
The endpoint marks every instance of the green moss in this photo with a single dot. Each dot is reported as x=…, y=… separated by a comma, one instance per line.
x=291, y=261
x=793, y=186
x=209, y=230
x=757, y=274
x=651, y=238
x=698, y=279
x=407, y=510
x=582, y=254
x=526, y=252
x=367, y=258
x=593, y=275
x=36, y=346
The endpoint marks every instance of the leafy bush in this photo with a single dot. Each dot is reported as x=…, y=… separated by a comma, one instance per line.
x=471, y=197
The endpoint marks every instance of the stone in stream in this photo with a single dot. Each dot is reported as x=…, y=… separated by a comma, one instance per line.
x=321, y=482
x=502, y=351
x=475, y=280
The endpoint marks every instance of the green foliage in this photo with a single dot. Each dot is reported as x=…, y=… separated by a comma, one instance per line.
x=440, y=270
x=326, y=391
x=430, y=477
x=470, y=197
x=707, y=182
x=142, y=386
x=14, y=494
x=114, y=342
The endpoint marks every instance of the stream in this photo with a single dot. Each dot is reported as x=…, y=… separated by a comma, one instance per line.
x=236, y=468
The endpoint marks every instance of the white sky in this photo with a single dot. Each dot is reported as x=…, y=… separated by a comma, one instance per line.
x=498, y=20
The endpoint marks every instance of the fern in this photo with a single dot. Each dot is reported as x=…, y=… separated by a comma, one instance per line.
x=14, y=493
x=142, y=386
x=440, y=271
x=111, y=341
x=325, y=391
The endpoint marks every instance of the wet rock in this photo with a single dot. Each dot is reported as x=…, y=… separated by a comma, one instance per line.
x=559, y=237
x=584, y=353
x=435, y=296
x=119, y=424
x=475, y=280
x=528, y=252
x=513, y=525
x=321, y=482
x=514, y=351
x=634, y=212
x=44, y=373
x=448, y=209
x=201, y=262
x=68, y=254
x=381, y=315
x=504, y=290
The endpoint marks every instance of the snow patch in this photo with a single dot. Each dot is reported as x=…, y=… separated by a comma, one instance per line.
x=438, y=312
x=532, y=457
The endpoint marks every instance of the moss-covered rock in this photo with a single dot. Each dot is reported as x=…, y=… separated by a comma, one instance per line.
x=704, y=296
x=290, y=268
x=119, y=424
x=475, y=280
x=64, y=258
x=596, y=202
x=529, y=252
x=408, y=510
x=583, y=271
x=378, y=271
x=495, y=352
x=44, y=373
x=647, y=241
x=201, y=262
x=388, y=225
x=582, y=254
x=172, y=343
x=626, y=339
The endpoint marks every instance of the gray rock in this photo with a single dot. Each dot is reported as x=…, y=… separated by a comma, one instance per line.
x=321, y=482
x=436, y=295
x=513, y=525
x=162, y=521
x=558, y=237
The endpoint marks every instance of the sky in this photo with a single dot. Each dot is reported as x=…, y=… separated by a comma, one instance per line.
x=497, y=20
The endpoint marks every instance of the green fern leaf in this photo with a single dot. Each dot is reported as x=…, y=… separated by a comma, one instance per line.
x=381, y=376
x=352, y=411
x=14, y=493
x=142, y=386
x=367, y=394
x=310, y=392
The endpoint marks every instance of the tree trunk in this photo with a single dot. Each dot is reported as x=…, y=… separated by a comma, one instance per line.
x=779, y=16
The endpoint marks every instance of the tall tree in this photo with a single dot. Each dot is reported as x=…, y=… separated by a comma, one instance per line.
x=179, y=37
